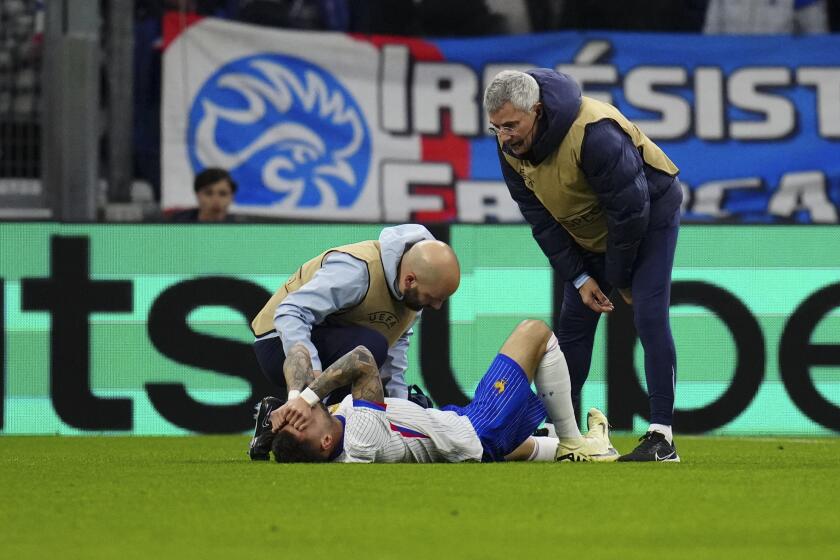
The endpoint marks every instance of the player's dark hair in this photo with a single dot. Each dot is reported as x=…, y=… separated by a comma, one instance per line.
x=213, y=175
x=287, y=449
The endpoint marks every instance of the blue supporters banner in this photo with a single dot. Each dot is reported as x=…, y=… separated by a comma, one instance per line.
x=367, y=128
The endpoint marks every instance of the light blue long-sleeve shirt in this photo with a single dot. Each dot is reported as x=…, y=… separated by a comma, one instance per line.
x=341, y=283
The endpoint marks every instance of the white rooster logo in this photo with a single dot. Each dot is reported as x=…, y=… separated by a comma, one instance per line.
x=289, y=132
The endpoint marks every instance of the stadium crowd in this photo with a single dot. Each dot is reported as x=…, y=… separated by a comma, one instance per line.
x=22, y=21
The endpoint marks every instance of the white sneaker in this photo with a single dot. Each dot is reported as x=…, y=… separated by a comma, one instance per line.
x=594, y=446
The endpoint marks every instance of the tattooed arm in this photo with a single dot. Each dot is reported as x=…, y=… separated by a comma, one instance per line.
x=297, y=369
x=356, y=368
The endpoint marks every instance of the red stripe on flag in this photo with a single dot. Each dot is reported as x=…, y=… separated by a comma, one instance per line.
x=445, y=147
x=419, y=48
x=175, y=23
x=448, y=147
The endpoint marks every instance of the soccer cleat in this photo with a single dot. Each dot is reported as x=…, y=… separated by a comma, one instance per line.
x=594, y=446
x=263, y=436
x=570, y=451
x=653, y=447
x=599, y=429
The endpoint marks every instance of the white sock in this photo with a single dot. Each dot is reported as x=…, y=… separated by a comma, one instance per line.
x=664, y=430
x=544, y=449
x=554, y=388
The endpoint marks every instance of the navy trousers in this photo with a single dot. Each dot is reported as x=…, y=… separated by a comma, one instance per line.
x=651, y=289
x=332, y=342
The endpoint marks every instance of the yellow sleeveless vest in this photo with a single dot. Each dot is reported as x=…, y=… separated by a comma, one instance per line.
x=378, y=310
x=559, y=183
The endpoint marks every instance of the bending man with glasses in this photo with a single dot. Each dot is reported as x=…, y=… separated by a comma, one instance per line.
x=603, y=202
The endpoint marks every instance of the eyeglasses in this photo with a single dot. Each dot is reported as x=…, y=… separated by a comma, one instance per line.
x=511, y=130
x=496, y=130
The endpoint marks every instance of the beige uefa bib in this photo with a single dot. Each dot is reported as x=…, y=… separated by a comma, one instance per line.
x=378, y=310
x=560, y=185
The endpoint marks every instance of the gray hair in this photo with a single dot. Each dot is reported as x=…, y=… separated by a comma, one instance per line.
x=519, y=88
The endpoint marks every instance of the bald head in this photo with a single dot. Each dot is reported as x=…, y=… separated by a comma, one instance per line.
x=429, y=274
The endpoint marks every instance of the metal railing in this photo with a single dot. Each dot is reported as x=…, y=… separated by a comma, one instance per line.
x=21, y=46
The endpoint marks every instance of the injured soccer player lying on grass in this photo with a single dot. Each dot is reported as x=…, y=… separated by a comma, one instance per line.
x=496, y=426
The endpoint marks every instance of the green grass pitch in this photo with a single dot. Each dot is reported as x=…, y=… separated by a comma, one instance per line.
x=199, y=497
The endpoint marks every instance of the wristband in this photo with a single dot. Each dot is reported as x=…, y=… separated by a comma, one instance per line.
x=310, y=397
x=293, y=394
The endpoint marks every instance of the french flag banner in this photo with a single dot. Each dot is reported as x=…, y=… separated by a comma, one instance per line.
x=343, y=127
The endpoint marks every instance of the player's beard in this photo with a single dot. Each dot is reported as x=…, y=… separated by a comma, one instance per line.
x=411, y=299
